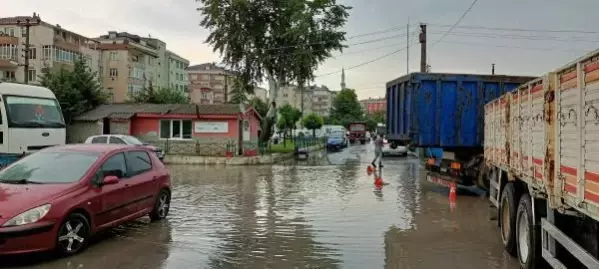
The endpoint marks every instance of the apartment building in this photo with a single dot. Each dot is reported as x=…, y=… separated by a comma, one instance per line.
x=51, y=48
x=209, y=83
x=177, y=75
x=259, y=92
x=321, y=100
x=373, y=105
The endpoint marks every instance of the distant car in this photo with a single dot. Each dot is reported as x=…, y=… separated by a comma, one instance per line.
x=58, y=197
x=337, y=140
x=124, y=140
x=393, y=149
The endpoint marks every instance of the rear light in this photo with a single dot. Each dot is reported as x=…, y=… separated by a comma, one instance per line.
x=430, y=161
x=456, y=166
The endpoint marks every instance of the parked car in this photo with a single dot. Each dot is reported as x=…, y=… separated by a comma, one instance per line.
x=58, y=197
x=125, y=140
x=392, y=149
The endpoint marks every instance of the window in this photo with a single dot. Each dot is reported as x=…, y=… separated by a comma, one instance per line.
x=114, y=72
x=41, y=167
x=31, y=74
x=47, y=52
x=113, y=56
x=46, y=112
x=138, y=162
x=116, y=140
x=115, y=166
x=99, y=140
x=175, y=129
x=32, y=53
x=23, y=32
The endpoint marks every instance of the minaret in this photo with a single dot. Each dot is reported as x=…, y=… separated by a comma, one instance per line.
x=342, y=78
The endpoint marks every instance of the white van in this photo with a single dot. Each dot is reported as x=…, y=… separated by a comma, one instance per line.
x=30, y=119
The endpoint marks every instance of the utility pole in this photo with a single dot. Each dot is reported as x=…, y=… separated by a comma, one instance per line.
x=492, y=69
x=423, y=67
x=27, y=24
x=408, y=47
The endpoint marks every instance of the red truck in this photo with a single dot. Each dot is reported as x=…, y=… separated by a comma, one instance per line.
x=357, y=131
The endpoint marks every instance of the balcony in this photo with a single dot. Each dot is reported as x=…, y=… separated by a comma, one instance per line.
x=143, y=49
x=8, y=64
x=64, y=44
x=9, y=40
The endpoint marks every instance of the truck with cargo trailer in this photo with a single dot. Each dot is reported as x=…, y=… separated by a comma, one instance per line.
x=444, y=112
x=541, y=154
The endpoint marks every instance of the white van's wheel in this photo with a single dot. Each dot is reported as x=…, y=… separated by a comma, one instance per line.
x=528, y=235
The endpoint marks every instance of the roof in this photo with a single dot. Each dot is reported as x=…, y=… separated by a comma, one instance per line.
x=212, y=67
x=25, y=89
x=100, y=148
x=126, y=111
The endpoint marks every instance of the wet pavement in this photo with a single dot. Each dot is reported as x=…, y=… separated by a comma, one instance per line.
x=320, y=213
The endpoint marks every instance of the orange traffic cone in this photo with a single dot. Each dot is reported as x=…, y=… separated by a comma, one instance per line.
x=369, y=170
x=452, y=192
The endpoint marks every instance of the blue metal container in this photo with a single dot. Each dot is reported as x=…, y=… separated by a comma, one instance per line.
x=443, y=110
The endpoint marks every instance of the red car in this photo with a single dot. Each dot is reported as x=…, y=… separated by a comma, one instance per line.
x=57, y=198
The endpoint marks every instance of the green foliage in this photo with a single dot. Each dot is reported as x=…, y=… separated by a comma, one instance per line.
x=312, y=122
x=284, y=41
x=288, y=117
x=373, y=119
x=77, y=91
x=346, y=108
x=260, y=106
x=238, y=94
x=150, y=95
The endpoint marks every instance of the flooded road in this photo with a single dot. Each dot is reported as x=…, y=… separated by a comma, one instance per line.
x=323, y=213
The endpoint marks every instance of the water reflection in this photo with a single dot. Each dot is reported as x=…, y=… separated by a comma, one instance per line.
x=303, y=216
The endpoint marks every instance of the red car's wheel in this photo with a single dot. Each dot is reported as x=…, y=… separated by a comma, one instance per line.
x=73, y=235
x=162, y=206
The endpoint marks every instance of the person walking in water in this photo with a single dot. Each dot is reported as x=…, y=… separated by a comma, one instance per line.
x=378, y=150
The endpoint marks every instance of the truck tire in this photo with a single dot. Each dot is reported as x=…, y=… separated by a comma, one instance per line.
x=528, y=236
x=507, y=218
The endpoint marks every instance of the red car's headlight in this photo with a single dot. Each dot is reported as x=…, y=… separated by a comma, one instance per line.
x=30, y=216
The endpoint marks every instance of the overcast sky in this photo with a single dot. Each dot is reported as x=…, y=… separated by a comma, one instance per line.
x=469, y=49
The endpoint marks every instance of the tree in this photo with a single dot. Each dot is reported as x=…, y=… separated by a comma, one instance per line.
x=77, y=90
x=238, y=92
x=260, y=106
x=372, y=120
x=288, y=118
x=150, y=95
x=284, y=41
x=346, y=108
x=312, y=122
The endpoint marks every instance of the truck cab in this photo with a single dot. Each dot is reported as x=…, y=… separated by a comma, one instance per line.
x=357, y=132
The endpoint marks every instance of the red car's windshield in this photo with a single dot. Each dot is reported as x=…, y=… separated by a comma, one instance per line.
x=49, y=167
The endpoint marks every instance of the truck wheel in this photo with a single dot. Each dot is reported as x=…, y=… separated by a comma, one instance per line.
x=528, y=235
x=507, y=218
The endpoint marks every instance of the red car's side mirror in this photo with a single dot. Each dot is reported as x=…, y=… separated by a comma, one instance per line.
x=110, y=180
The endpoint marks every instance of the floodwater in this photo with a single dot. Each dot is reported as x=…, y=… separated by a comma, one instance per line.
x=323, y=213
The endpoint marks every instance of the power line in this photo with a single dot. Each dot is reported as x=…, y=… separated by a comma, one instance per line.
x=456, y=23
x=517, y=29
x=513, y=47
x=521, y=37
x=393, y=29
x=364, y=63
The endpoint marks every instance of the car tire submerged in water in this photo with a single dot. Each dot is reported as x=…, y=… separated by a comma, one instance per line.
x=161, y=206
x=507, y=218
x=73, y=235
x=528, y=235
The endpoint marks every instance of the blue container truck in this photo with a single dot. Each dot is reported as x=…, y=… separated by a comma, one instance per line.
x=445, y=112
